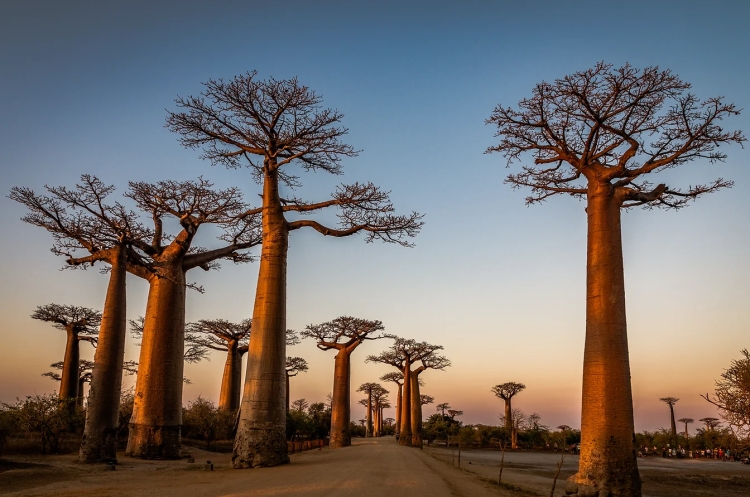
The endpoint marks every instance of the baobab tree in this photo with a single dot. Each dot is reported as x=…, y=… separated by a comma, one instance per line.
x=367, y=389
x=507, y=391
x=441, y=408
x=84, y=376
x=687, y=421
x=232, y=338
x=79, y=323
x=596, y=135
x=300, y=405
x=671, y=401
x=396, y=377
x=88, y=229
x=383, y=404
x=453, y=413
x=711, y=423
x=294, y=366
x=157, y=411
x=429, y=359
x=379, y=397
x=426, y=399
x=272, y=126
x=344, y=334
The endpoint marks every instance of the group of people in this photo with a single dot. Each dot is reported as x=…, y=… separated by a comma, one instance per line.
x=718, y=453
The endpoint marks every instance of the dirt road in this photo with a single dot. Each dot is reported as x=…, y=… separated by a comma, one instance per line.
x=371, y=467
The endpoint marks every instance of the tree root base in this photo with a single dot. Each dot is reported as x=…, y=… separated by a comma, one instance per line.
x=154, y=442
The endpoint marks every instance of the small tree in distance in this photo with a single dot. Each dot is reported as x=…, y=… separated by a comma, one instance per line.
x=506, y=392
x=686, y=421
x=671, y=401
x=597, y=135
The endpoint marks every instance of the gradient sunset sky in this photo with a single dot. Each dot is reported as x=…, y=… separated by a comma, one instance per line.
x=84, y=86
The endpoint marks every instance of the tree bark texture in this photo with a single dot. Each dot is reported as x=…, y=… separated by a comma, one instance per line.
x=340, y=407
x=99, y=443
x=416, y=411
x=157, y=410
x=368, y=428
x=608, y=459
x=261, y=434
x=229, y=396
x=69, y=380
x=405, y=436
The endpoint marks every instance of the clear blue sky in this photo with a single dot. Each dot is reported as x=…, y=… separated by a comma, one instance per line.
x=84, y=87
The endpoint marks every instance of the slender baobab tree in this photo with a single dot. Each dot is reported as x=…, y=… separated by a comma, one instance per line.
x=396, y=377
x=671, y=401
x=344, y=334
x=507, y=391
x=367, y=389
x=79, y=323
x=88, y=229
x=272, y=126
x=596, y=135
x=384, y=403
x=379, y=397
x=686, y=421
x=84, y=376
x=294, y=366
x=157, y=411
x=441, y=408
x=429, y=359
x=232, y=338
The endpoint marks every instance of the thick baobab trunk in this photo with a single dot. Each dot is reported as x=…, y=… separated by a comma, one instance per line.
x=99, y=441
x=69, y=381
x=229, y=396
x=405, y=433
x=416, y=412
x=397, y=427
x=261, y=434
x=368, y=429
x=340, y=405
x=608, y=459
x=157, y=411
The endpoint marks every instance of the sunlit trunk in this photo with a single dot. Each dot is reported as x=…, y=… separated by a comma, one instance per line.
x=340, y=405
x=102, y=413
x=608, y=459
x=230, y=381
x=397, y=426
x=416, y=412
x=157, y=410
x=405, y=436
x=261, y=434
x=368, y=429
x=69, y=382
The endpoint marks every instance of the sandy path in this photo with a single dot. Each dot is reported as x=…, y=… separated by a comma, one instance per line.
x=371, y=467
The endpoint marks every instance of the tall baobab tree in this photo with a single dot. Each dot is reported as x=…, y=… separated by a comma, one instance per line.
x=671, y=401
x=383, y=404
x=686, y=421
x=157, y=411
x=379, y=397
x=271, y=126
x=596, y=135
x=294, y=366
x=232, y=338
x=507, y=391
x=396, y=377
x=84, y=376
x=79, y=323
x=429, y=359
x=344, y=334
x=367, y=389
x=402, y=355
x=87, y=229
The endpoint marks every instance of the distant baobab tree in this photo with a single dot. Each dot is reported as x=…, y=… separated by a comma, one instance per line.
x=389, y=421
x=506, y=392
x=687, y=421
x=344, y=334
x=396, y=377
x=710, y=423
x=426, y=399
x=367, y=389
x=157, y=411
x=597, y=135
x=441, y=408
x=294, y=366
x=270, y=126
x=79, y=323
x=88, y=229
x=379, y=398
x=564, y=428
x=232, y=338
x=431, y=360
x=300, y=405
x=671, y=401
x=454, y=412
x=84, y=376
